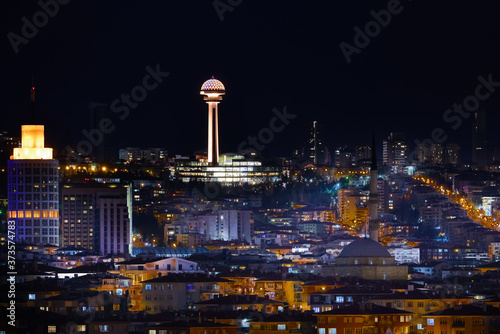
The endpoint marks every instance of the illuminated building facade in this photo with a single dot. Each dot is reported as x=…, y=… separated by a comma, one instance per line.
x=33, y=189
x=97, y=217
x=395, y=151
x=232, y=170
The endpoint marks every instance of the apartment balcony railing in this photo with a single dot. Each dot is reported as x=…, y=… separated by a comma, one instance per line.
x=459, y=324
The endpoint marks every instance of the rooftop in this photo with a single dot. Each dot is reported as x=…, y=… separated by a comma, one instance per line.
x=364, y=247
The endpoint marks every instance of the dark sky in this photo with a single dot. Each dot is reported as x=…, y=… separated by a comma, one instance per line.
x=269, y=54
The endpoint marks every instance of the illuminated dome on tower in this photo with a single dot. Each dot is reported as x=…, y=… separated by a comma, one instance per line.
x=212, y=85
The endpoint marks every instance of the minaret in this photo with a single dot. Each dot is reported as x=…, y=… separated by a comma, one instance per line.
x=374, y=224
x=213, y=90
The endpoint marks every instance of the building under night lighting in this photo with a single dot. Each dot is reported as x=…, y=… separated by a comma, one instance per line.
x=228, y=168
x=33, y=189
x=97, y=217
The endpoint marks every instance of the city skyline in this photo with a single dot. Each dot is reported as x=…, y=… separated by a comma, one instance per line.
x=407, y=79
x=346, y=179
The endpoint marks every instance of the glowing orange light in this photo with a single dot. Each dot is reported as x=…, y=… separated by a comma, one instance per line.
x=32, y=144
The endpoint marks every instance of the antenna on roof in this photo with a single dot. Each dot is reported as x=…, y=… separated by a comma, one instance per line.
x=32, y=99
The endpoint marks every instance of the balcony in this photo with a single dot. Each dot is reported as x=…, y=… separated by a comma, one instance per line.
x=458, y=324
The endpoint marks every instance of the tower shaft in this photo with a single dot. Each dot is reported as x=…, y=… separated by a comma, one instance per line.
x=213, y=132
x=374, y=224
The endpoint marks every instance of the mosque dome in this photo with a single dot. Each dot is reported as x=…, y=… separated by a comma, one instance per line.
x=364, y=247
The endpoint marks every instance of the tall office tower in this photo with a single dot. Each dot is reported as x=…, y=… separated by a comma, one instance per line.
x=479, y=140
x=98, y=112
x=452, y=154
x=437, y=154
x=232, y=225
x=97, y=217
x=314, y=149
x=313, y=143
x=423, y=153
x=374, y=224
x=213, y=90
x=33, y=186
x=33, y=189
x=395, y=150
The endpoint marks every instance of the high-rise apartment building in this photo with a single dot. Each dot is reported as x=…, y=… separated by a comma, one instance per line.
x=452, y=154
x=395, y=151
x=231, y=225
x=344, y=157
x=97, y=217
x=437, y=154
x=423, y=153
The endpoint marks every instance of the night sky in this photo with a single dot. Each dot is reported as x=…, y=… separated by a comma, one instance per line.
x=268, y=54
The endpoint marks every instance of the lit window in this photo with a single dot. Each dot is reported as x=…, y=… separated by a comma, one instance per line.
x=103, y=328
x=282, y=327
x=148, y=287
x=320, y=330
x=430, y=322
x=31, y=296
x=51, y=329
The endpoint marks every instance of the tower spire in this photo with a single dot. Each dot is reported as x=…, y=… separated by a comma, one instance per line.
x=374, y=152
